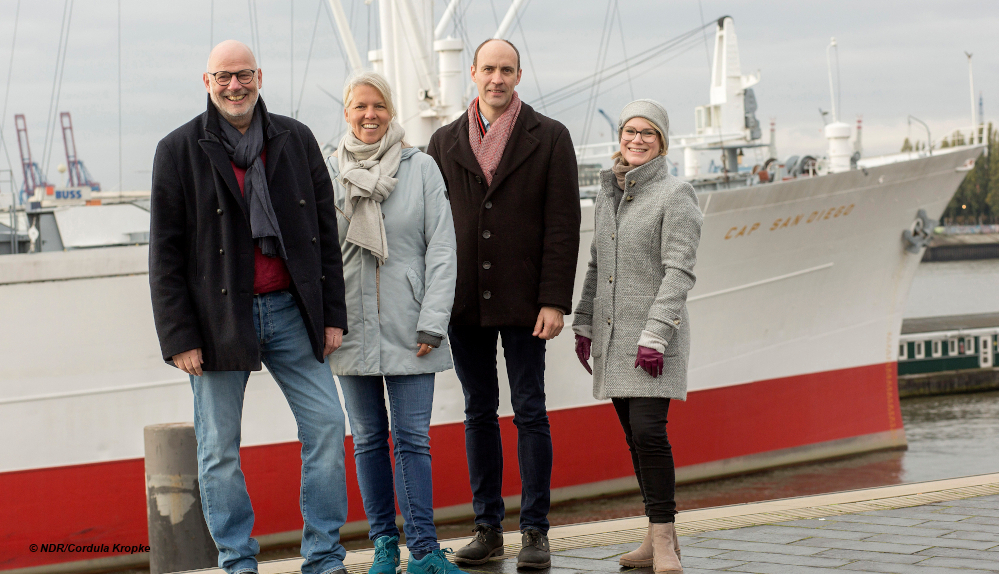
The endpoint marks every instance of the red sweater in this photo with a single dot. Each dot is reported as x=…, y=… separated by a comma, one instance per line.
x=269, y=273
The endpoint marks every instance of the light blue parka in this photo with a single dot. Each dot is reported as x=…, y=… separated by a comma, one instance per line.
x=413, y=291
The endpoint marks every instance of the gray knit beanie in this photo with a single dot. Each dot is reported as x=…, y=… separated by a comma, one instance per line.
x=650, y=110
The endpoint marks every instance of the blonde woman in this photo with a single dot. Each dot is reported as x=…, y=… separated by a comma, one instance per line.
x=632, y=316
x=399, y=267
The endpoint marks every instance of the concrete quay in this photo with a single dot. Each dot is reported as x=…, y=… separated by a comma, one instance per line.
x=944, y=526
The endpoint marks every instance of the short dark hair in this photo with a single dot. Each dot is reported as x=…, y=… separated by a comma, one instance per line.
x=475, y=58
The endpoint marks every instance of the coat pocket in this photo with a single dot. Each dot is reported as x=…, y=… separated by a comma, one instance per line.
x=417, y=284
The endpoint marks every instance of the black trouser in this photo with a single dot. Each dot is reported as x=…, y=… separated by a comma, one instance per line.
x=474, y=352
x=644, y=423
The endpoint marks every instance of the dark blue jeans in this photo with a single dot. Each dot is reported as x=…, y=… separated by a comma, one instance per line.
x=474, y=352
x=411, y=400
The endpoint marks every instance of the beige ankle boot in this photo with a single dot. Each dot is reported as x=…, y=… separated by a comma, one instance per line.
x=641, y=557
x=664, y=558
x=676, y=543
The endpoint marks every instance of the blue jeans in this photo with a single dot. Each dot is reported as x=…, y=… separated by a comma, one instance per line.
x=411, y=398
x=474, y=352
x=309, y=387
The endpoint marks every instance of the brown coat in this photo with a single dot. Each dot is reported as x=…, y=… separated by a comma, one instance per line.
x=518, y=238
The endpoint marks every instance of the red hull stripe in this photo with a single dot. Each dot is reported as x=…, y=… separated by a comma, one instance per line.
x=105, y=502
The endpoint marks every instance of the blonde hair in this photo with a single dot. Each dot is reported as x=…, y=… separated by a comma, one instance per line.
x=367, y=78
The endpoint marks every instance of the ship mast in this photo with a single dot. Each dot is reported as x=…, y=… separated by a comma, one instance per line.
x=428, y=92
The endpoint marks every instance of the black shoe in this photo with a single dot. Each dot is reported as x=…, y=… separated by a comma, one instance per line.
x=488, y=542
x=535, y=551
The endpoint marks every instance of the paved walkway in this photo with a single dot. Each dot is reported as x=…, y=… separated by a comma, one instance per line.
x=947, y=526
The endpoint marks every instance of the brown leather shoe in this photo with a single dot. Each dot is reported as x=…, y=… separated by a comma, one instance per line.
x=640, y=557
x=664, y=558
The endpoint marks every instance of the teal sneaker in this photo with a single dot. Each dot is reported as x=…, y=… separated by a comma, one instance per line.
x=386, y=556
x=434, y=563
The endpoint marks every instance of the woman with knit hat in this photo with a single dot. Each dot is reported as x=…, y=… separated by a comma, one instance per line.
x=632, y=316
x=399, y=269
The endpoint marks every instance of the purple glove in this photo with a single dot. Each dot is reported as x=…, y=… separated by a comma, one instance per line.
x=649, y=359
x=583, y=351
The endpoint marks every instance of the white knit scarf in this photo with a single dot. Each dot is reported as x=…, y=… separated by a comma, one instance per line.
x=368, y=171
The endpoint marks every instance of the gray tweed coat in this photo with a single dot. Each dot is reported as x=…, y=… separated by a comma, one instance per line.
x=635, y=292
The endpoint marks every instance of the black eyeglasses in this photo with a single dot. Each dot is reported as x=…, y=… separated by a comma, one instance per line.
x=628, y=134
x=224, y=78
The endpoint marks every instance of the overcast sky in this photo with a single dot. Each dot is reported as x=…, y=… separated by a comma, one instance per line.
x=896, y=58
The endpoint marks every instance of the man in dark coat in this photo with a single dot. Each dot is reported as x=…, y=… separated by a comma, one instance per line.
x=244, y=268
x=512, y=179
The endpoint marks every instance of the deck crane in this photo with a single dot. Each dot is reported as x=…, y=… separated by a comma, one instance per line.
x=78, y=174
x=33, y=176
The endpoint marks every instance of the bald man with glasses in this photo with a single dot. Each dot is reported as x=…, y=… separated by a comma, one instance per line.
x=244, y=270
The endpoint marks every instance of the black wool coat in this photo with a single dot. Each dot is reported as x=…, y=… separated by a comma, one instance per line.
x=201, y=248
x=518, y=238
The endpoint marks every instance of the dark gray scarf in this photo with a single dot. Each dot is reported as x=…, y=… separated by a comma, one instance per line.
x=244, y=151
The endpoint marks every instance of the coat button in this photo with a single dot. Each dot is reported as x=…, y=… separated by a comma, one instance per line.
x=676, y=321
x=608, y=321
x=323, y=278
x=486, y=265
x=629, y=198
x=612, y=236
x=610, y=279
x=221, y=251
x=486, y=294
x=489, y=205
x=301, y=202
x=313, y=239
x=632, y=182
x=219, y=211
x=486, y=234
x=478, y=179
x=223, y=291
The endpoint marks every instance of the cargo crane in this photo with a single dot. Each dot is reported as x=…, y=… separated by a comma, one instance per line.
x=33, y=176
x=78, y=174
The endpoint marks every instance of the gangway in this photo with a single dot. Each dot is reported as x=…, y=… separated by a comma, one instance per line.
x=33, y=176
x=78, y=174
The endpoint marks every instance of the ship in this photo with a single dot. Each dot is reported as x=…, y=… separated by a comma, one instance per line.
x=803, y=271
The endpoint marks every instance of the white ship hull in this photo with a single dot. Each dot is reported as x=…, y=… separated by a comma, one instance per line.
x=795, y=322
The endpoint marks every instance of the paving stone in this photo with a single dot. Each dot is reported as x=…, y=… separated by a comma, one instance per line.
x=510, y=567
x=967, y=511
x=755, y=547
x=754, y=535
x=960, y=553
x=969, y=535
x=911, y=568
x=977, y=502
x=573, y=563
x=597, y=552
x=864, y=518
x=745, y=556
x=984, y=520
x=823, y=532
x=930, y=541
x=868, y=556
x=858, y=527
x=961, y=526
x=700, y=552
x=918, y=513
x=768, y=568
x=710, y=563
x=962, y=563
x=862, y=545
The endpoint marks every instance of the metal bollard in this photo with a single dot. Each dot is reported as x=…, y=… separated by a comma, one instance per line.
x=178, y=536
